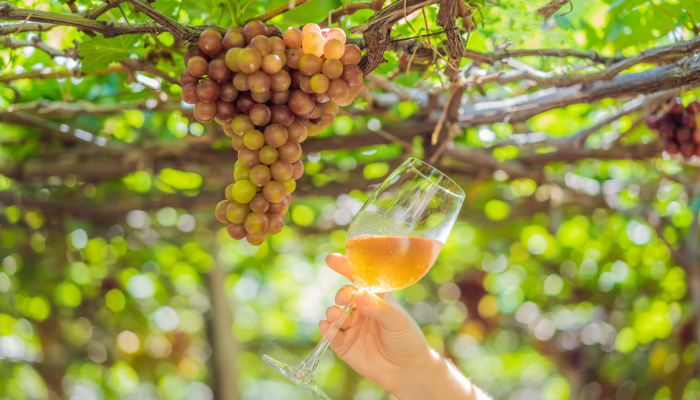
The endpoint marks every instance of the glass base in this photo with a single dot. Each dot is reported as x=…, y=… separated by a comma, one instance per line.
x=297, y=376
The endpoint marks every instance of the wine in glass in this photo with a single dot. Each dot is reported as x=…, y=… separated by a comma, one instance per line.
x=392, y=242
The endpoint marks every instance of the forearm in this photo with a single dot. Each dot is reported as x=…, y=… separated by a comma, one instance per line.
x=439, y=380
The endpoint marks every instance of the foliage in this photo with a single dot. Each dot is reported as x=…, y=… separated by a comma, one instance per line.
x=115, y=274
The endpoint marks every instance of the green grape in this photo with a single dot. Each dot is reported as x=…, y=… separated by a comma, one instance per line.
x=273, y=192
x=236, y=212
x=254, y=139
x=333, y=69
x=260, y=175
x=249, y=60
x=221, y=211
x=229, y=131
x=242, y=124
x=231, y=59
x=268, y=155
x=237, y=142
x=197, y=66
x=241, y=173
x=319, y=83
x=280, y=81
x=310, y=64
x=227, y=193
x=243, y=192
x=240, y=82
x=256, y=223
x=289, y=185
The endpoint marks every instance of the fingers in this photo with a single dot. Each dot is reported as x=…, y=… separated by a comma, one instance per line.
x=390, y=316
x=339, y=263
x=335, y=312
x=345, y=295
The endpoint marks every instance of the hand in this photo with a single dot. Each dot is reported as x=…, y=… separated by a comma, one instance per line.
x=379, y=339
x=384, y=344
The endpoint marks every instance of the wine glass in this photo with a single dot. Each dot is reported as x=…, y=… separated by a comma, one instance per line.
x=391, y=243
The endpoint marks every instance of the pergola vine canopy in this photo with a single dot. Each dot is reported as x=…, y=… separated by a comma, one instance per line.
x=537, y=109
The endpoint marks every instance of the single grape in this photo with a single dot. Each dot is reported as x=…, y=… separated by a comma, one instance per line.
x=225, y=111
x=221, y=211
x=262, y=44
x=313, y=44
x=189, y=93
x=261, y=97
x=243, y=191
x=321, y=97
x=236, y=212
x=237, y=231
x=305, y=84
x=241, y=173
x=197, y=66
x=273, y=192
x=228, y=92
x=296, y=79
x=259, y=204
x=260, y=175
x=228, y=130
x=327, y=120
x=233, y=39
x=268, y=155
x=301, y=103
x=310, y=64
x=211, y=42
x=297, y=169
x=272, y=64
x=292, y=37
x=279, y=97
x=338, y=90
x=252, y=29
x=186, y=79
x=277, y=44
x=244, y=102
x=333, y=49
x=218, y=71
x=331, y=108
x=281, y=114
x=293, y=56
x=240, y=82
x=315, y=129
x=259, y=114
x=280, y=81
x=336, y=34
x=238, y=29
x=289, y=185
x=248, y=158
x=333, y=69
x=208, y=90
x=281, y=170
x=259, y=82
x=352, y=75
x=352, y=55
x=254, y=139
x=197, y=52
x=273, y=31
x=231, y=59
x=283, y=56
x=237, y=143
x=276, y=135
x=242, y=124
x=227, y=192
x=249, y=60
x=204, y=112
x=280, y=208
x=255, y=239
x=352, y=94
x=319, y=83
x=297, y=132
x=275, y=225
x=308, y=29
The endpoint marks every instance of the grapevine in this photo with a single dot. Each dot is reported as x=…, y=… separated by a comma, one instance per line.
x=270, y=90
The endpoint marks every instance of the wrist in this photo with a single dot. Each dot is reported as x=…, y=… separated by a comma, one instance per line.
x=418, y=382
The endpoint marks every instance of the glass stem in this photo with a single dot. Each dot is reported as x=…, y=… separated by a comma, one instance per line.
x=309, y=365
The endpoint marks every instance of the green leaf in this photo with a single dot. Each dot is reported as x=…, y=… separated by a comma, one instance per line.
x=167, y=7
x=99, y=51
x=197, y=8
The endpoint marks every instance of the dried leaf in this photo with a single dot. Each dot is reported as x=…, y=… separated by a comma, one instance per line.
x=552, y=7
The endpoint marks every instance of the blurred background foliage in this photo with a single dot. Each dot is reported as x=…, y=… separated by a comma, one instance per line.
x=120, y=284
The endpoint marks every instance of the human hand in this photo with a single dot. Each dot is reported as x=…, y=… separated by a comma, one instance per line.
x=379, y=339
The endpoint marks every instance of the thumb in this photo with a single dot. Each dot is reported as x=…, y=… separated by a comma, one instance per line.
x=374, y=307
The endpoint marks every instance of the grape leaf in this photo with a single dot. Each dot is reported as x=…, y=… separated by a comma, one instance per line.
x=99, y=52
x=197, y=8
x=167, y=7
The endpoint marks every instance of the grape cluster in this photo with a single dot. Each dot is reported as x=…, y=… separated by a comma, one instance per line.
x=678, y=127
x=270, y=90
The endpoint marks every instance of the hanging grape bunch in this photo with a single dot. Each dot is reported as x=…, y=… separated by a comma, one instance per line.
x=678, y=127
x=269, y=90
